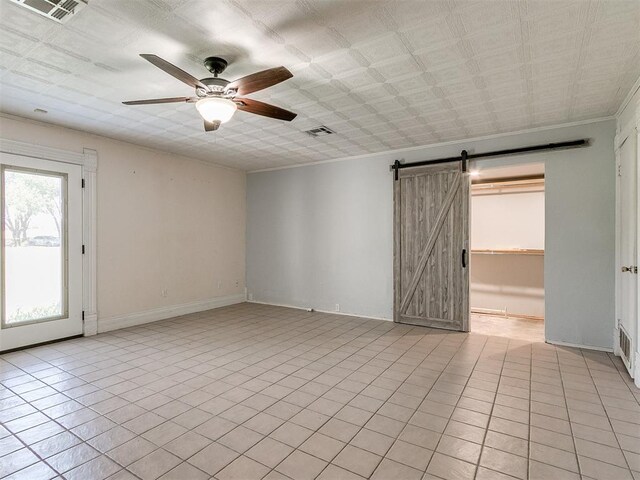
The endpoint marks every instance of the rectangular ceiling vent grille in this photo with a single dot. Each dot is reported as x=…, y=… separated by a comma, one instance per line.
x=58, y=10
x=320, y=131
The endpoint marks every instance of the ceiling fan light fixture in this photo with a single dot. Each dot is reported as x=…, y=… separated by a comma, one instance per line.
x=216, y=109
x=216, y=99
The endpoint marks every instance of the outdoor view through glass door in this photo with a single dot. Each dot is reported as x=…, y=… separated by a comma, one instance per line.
x=34, y=246
x=41, y=264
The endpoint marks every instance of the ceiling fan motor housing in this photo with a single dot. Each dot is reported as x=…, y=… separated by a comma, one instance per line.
x=215, y=65
x=215, y=85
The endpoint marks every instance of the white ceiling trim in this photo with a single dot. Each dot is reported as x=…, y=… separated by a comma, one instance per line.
x=443, y=144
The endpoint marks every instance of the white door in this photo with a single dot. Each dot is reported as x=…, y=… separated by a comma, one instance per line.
x=40, y=251
x=628, y=230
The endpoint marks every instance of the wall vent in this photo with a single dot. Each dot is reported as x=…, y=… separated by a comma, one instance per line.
x=58, y=10
x=319, y=131
x=625, y=346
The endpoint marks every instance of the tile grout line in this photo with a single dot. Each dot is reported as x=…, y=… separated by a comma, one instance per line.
x=320, y=396
x=291, y=374
x=69, y=430
x=277, y=399
x=566, y=405
x=300, y=351
x=159, y=447
x=361, y=427
x=435, y=450
x=422, y=401
x=528, y=474
x=493, y=404
x=608, y=418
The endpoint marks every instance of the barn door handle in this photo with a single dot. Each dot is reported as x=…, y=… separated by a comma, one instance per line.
x=464, y=258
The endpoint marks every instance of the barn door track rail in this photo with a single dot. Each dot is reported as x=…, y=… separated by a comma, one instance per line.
x=464, y=156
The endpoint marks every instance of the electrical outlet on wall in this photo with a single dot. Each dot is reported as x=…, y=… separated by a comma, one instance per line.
x=237, y=283
x=164, y=293
x=219, y=284
x=337, y=307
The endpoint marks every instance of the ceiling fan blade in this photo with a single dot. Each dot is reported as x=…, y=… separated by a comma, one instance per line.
x=260, y=80
x=159, y=100
x=173, y=70
x=260, y=108
x=211, y=126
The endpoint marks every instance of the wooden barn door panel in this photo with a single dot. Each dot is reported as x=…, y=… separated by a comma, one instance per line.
x=431, y=232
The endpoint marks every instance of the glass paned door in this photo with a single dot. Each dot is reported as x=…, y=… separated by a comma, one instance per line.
x=35, y=251
x=40, y=251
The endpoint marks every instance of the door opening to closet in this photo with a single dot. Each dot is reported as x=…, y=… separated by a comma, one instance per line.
x=507, y=252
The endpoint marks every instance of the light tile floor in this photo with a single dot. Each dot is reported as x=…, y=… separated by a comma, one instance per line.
x=253, y=391
x=512, y=327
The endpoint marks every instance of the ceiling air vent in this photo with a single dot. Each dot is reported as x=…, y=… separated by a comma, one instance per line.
x=59, y=10
x=319, y=131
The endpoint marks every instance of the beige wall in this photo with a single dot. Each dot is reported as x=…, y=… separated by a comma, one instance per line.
x=165, y=222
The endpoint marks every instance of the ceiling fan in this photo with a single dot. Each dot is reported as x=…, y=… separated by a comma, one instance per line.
x=216, y=98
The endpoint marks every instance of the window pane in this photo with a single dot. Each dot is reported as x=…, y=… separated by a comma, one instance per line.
x=34, y=254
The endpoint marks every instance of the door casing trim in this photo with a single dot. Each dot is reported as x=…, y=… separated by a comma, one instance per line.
x=88, y=160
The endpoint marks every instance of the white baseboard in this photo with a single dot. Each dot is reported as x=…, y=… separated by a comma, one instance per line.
x=90, y=324
x=577, y=345
x=320, y=311
x=354, y=315
x=138, y=318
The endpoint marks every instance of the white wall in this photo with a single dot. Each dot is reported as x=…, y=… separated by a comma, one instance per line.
x=165, y=222
x=322, y=234
x=317, y=236
x=628, y=124
x=514, y=283
x=507, y=220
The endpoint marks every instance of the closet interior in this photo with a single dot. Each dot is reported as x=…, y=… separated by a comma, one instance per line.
x=507, y=251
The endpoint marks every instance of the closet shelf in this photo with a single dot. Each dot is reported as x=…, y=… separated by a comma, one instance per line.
x=509, y=251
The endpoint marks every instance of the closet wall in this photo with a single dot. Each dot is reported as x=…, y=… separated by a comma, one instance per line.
x=503, y=222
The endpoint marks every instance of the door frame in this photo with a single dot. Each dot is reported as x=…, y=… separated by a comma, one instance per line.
x=632, y=129
x=88, y=161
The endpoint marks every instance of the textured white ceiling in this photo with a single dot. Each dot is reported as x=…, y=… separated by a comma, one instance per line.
x=383, y=74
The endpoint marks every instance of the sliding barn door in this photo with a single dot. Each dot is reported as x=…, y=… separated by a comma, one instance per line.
x=431, y=243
